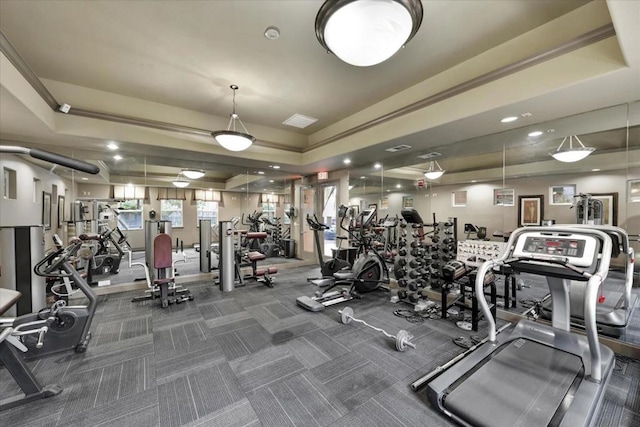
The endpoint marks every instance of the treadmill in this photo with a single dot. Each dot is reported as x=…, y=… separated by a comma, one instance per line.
x=615, y=308
x=534, y=374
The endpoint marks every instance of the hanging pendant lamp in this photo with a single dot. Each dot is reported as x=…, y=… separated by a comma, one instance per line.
x=432, y=172
x=231, y=139
x=573, y=154
x=180, y=181
x=367, y=32
x=193, y=173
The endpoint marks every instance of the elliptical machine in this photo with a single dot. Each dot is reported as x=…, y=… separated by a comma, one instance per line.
x=369, y=271
x=71, y=328
x=329, y=267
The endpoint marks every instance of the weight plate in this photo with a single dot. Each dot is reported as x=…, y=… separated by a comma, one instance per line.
x=464, y=325
x=347, y=315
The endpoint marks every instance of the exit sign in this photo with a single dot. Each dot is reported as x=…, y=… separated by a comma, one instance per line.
x=323, y=175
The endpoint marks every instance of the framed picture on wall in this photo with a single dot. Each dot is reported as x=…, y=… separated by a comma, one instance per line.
x=458, y=199
x=531, y=210
x=60, y=211
x=610, y=207
x=407, y=202
x=46, y=210
x=633, y=190
x=503, y=196
x=562, y=194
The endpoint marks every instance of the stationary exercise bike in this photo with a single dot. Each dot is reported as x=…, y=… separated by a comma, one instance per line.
x=71, y=328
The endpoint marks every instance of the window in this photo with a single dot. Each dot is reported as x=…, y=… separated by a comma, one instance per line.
x=207, y=210
x=269, y=210
x=171, y=210
x=130, y=214
x=9, y=186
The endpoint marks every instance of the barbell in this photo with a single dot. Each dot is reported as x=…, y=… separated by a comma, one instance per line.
x=403, y=338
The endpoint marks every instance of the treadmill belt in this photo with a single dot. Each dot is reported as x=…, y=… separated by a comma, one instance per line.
x=522, y=385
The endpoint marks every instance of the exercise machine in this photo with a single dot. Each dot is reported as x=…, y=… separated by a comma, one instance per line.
x=615, y=303
x=70, y=329
x=12, y=360
x=329, y=267
x=368, y=273
x=533, y=373
x=588, y=210
x=163, y=285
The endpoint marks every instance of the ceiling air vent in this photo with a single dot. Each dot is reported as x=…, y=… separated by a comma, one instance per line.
x=430, y=155
x=300, y=121
x=397, y=148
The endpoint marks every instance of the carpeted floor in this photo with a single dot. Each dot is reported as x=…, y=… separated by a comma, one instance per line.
x=253, y=358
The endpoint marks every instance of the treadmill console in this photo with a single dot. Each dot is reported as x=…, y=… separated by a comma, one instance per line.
x=577, y=249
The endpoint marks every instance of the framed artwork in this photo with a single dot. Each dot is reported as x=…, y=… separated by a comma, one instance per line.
x=633, y=190
x=60, y=211
x=46, y=210
x=407, y=202
x=458, y=199
x=531, y=210
x=562, y=194
x=503, y=196
x=610, y=207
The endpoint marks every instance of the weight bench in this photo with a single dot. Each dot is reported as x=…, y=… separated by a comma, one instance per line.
x=262, y=275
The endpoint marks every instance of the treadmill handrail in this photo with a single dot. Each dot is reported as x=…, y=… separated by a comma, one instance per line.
x=590, y=295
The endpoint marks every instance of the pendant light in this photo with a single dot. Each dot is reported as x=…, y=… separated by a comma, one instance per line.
x=193, y=173
x=432, y=172
x=573, y=154
x=180, y=181
x=231, y=139
x=367, y=32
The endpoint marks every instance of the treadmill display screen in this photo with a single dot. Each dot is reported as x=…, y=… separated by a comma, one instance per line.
x=578, y=249
x=555, y=246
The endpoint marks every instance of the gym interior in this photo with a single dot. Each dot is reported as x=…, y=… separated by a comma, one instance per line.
x=445, y=235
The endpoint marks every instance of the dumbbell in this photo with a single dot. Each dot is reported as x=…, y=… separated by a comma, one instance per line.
x=402, y=252
x=402, y=294
x=414, y=297
x=401, y=262
x=417, y=252
x=403, y=338
x=402, y=243
x=434, y=239
x=400, y=273
x=414, y=274
x=415, y=263
x=416, y=244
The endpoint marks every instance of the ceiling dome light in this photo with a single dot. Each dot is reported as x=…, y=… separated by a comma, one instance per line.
x=367, y=32
x=536, y=133
x=193, y=173
x=572, y=154
x=432, y=172
x=230, y=138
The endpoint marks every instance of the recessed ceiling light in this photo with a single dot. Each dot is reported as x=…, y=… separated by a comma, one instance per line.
x=117, y=157
x=84, y=178
x=377, y=166
x=270, y=180
x=351, y=187
x=362, y=177
x=398, y=186
x=509, y=119
x=536, y=133
x=595, y=170
x=274, y=166
x=473, y=180
x=347, y=161
x=260, y=173
x=112, y=146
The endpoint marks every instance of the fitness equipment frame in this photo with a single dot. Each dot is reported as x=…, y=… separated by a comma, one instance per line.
x=535, y=374
x=71, y=328
x=614, y=309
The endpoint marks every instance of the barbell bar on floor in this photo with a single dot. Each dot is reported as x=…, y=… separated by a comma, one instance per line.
x=403, y=338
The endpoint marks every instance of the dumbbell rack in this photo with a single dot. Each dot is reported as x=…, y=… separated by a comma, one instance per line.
x=421, y=257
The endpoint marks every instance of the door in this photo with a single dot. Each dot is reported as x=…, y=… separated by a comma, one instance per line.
x=307, y=207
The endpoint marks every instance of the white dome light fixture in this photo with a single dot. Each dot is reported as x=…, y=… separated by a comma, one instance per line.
x=180, y=181
x=231, y=139
x=367, y=32
x=572, y=154
x=432, y=172
x=193, y=173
